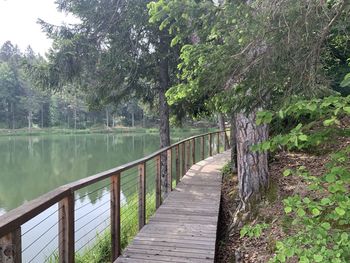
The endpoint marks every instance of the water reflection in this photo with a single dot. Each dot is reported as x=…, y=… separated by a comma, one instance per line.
x=31, y=166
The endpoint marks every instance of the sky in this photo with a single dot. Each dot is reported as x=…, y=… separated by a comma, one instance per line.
x=18, y=22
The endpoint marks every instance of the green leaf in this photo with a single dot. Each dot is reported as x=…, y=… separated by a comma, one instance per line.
x=301, y=212
x=318, y=258
x=287, y=172
x=325, y=201
x=287, y=209
x=328, y=122
x=303, y=137
x=330, y=178
x=340, y=211
x=316, y=212
x=326, y=225
x=347, y=109
x=346, y=81
x=303, y=259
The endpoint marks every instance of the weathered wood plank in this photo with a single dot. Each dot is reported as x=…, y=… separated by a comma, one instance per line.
x=183, y=228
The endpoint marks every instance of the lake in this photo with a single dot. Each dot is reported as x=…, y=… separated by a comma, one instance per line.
x=33, y=165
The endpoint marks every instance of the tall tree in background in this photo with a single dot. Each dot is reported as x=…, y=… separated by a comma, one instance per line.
x=113, y=53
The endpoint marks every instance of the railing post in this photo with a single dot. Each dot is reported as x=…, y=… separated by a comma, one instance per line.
x=142, y=195
x=188, y=156
x=169, y=170
x=177, y=163
x=115, y=216
x=202, y=148
x=218, y=142
x=11, y=247
x=158, y=186
x=210, y=144
x=183, y=159
x=66, y=229
x=193, y=151
x=226, y=142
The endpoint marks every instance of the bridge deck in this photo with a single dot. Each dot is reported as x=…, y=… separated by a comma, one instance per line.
x=183, y=228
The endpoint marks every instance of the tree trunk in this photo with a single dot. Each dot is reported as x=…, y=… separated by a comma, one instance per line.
x=42, y=115
x=132, y=119
x=252, y=166
x=30, y=121
x=233, y=143
x=75, y=118
x=13, y=116
x=164, y=127
x=107, y=118
x=222, y=127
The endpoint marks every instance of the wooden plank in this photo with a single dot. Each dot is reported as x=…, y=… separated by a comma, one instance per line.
x=11, y=247
x=115, y=216
x=142, y=195
x=66, y=230
x=184, y=228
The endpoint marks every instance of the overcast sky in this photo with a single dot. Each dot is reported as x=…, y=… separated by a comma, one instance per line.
x=18, y=22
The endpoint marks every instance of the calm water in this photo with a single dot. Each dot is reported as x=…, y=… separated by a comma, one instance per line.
x=32, y=166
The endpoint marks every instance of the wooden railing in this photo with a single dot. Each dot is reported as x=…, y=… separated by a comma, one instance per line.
x=180, y=156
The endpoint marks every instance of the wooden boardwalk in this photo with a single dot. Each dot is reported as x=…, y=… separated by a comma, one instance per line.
x=183, y=228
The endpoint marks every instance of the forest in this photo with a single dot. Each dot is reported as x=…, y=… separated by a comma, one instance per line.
x=277, y=71
x=24, y=104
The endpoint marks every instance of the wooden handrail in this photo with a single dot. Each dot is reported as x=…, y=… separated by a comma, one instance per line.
x=13, y=220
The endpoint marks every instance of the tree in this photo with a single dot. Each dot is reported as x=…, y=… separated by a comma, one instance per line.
x=252, y=55
x=113, y=53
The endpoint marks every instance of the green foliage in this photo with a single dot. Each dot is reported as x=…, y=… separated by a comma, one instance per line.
x=346, y=81
x=320, y=230
x=328, y=110
x=320, y=222
x=253, y=231
x=227, y=169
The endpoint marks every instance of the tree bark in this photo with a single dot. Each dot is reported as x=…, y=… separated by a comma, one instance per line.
x=233, y=143
x=222, y=127
x=252, y=166
x=107, y=118
x=164, y=127
x=132, y=119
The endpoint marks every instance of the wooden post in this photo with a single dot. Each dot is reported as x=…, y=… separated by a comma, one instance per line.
x=202, y=148
x=66, y=230
x=193, y=151
x=170, y=172
x=210, y=144
x=177, y=163
x=188, y=155
x=218, y=142
x=226, y=142
x=11, y=247
x=142, y=195
x=158, y=186
x=183, y=159
x=115, y=216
